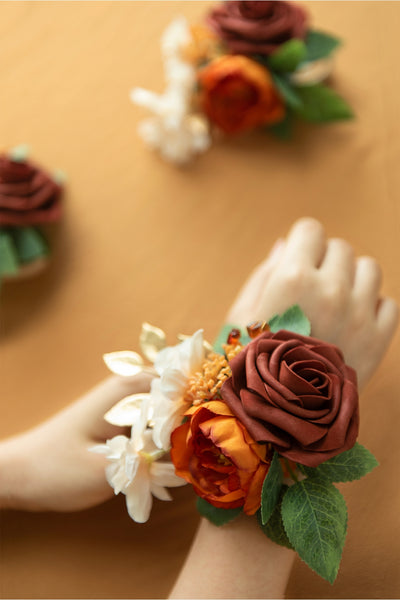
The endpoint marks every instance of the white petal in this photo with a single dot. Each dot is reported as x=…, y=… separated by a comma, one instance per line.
x=127, y=410
x=115, y=475
x=131, y=465
x=152, y=340
x=100, y=449
x=196, y=352
x=125, y=363
x=163, y=473
x=148, y=444
x=167, y=416
x=138, y=496
x=159, y=491
x=173, y=383
x=140, y=425
x=113, y=448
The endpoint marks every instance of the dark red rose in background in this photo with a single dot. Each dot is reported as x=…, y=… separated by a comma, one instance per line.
x=296, y=393
x=28, y=196
x=257, y=27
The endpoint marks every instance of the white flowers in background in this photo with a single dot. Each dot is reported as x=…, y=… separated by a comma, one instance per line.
x=136, y=472
x=136, y=467
x=174, y=130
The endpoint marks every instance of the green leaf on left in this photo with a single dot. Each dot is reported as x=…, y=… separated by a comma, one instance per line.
x=217, y=516
x=9, y=263
x=320, y=45
x=271, y=488
x=288, y=56
x=292, y=320
x=30, y=243
x=274, y=528
x=314, y=515
x=347, y=466
x=321, y=104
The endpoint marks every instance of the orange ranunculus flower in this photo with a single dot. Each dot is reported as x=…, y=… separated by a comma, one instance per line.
x=238, y=94
x=214, y=452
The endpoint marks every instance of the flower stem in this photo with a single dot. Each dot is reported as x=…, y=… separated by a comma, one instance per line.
x=290, y=470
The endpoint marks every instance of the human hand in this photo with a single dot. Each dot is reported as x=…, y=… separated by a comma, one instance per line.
x=50, y=468
x=339, y=294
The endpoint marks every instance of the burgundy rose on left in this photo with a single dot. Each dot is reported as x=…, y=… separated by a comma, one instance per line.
x=28, y=195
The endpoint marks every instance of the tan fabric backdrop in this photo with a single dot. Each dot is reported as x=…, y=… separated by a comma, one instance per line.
x=142, y=240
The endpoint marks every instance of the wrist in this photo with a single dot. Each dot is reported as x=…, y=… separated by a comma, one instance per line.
x=12, y=479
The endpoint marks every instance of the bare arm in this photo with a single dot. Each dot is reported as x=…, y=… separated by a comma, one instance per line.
x=49, y=467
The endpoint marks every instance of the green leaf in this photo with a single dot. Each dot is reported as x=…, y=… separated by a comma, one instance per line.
x=320, y=44
x=287, y=91
x=283, y=130
x=292, y=320
x=315, y=519
x=8, y=254
x=223, y=336
x=288, y=56
x=320, y=104
x=30, y=243
x=218, y=516
x=274, y=529
x=347, y=466
x=271, y=488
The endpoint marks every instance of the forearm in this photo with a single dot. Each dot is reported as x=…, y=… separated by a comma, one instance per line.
x=11, y=474
x=234, y=561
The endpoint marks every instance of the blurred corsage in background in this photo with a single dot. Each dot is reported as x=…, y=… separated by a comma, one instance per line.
x=29, y=199
x=251, y=65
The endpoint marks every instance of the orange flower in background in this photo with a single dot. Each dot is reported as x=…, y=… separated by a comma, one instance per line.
x=238, y=94
x=214, y=452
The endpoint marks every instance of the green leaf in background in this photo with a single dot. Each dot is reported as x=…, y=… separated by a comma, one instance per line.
x=315, y=519
x=284, y=129
x=288, y=56
x=347, y=466
x=8, y=255
x=271, y=489
x=223, y=336
x=287, y=91
x=274, y=528
x=292, y=320
x=320, y=104
x=30, y=243
x=320, y=45
x=217, y=516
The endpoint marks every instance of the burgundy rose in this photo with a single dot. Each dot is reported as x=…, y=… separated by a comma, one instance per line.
x=28, y=196
x=295, y=393
x=257, y=27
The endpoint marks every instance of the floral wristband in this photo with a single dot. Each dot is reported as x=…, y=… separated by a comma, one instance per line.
x=263, y=427
x=250, y=66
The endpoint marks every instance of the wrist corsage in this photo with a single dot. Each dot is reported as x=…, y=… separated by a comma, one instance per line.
x=263, y=424
x=252, y=65
x=29, y=199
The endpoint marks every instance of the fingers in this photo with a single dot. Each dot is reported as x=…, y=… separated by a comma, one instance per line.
x=387, y=316
x=244, y=307
x=338, y=263
x=367, y=283
x=305, y=243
